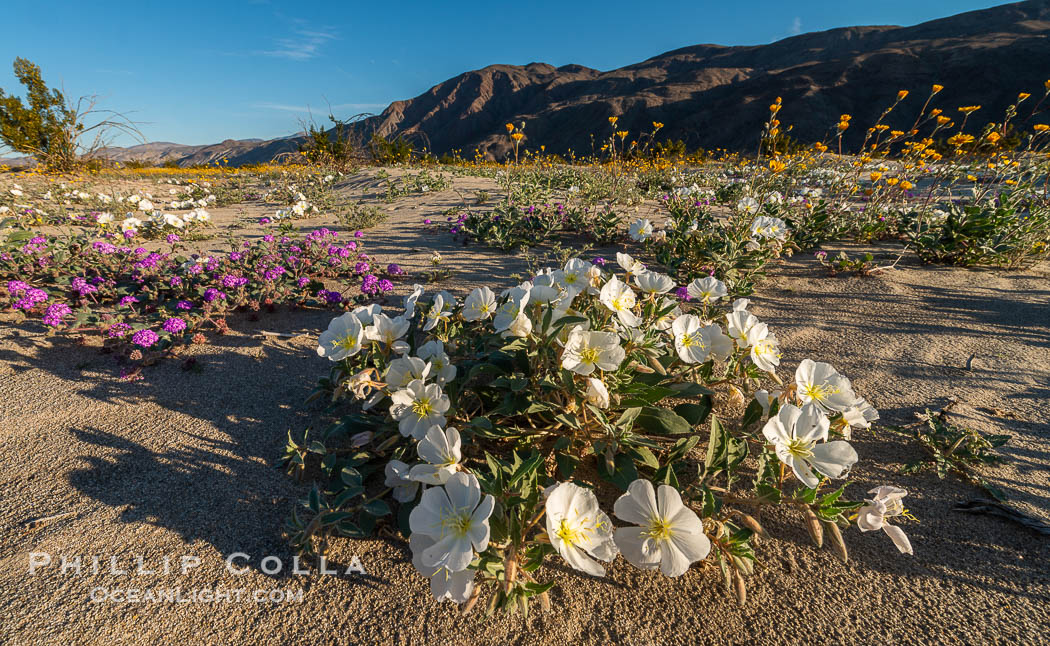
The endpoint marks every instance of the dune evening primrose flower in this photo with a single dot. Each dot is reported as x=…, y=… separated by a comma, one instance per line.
x=586, y=351
x=444, y=584
x=745, y=328
x=440, y=449
x=653, y=282
x=404, y=370
x=573, y=276
x=696, y=343
x=629, y=264
x=765, y=353
x=707, y=290
x=457, y=518
x=668, y=536
x=342, y=339
x=886, y=504
x=388, y=331
x=578, y=529
x=510, y=311
x=821, y=384
x=641, y=230
x=418, y=407
x=480, y=304
x=597, y=393
x=433, y=351
x=747, y=205
x=619, y=298
x=396, y=476
x=799, y=436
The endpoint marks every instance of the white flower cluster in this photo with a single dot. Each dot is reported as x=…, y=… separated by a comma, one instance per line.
x=450, y=524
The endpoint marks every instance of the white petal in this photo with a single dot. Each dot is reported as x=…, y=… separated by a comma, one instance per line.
x=833, y=459
x=899, y=538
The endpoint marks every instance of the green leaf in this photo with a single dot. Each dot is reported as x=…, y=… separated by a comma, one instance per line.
x=377, y=508
x=695, y=414
x=661, y=421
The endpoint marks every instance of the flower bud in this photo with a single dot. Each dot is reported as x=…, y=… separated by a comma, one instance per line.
x=813, y=525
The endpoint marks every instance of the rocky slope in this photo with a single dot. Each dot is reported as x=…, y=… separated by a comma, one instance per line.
x=712, y=96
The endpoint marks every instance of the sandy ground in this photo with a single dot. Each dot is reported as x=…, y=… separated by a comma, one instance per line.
x=180, y=464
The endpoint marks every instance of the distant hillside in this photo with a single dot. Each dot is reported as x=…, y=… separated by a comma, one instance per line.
x=710, y=96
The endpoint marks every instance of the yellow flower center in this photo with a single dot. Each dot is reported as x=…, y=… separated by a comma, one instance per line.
x=457, y=524
x=800, y=448
x=422, y=407
x=659, y=529
x=568, y=533
x=819, y=392
x=347, y=342
x=589, y=355
x=690, y=340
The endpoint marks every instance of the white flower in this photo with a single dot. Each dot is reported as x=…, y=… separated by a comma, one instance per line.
x=795, y=433
x=104, y=218
x=586, y=351
x=619, y=298
x=440, y=365
x=16, y=192
x=145, y=205
x=669, y=536
x=441, y=450
x=766, y=353
x=578, y=529
x=404, y=370
x=388, y=331
x=696, y=343
x=597, y=393
x=640, y=230
x=411, y=299
x=747, y=205
x=440, y=310
x=511, y=310
x=520, y=327
x=342, y=339
x=573, y=277
x=480, y=304
x=745, y=328
x=741, y=304
x=453, y=517
x=418, y=407
x=886, y=504
x=130, y=224
x=707, y=290
x=765, y=399
x=444, y=584
x=654, y=282
x=821, y=384
x=629, y=264
x=396, y=473
x=367, y=313
x=769, y=228
x=861, y=415
x=545, y=287
x=664, y=321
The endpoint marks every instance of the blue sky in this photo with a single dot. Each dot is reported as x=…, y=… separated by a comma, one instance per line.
x=200, y=72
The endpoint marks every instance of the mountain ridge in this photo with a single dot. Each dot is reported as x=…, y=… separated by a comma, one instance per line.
x=709, y=95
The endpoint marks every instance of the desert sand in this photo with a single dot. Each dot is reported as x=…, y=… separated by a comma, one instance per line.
x=181, y=463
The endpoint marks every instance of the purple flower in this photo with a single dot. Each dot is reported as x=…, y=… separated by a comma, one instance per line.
x=172, y=238
x=118, y=330
x=175, y=281
x=361, y=267
x=129, y=234
x=236, y=256
x=174, y=325
x=128, y=300
x=427, y=221
x=15, y=286
x=184, y=305
x=303, y=282
x=145, y=338
x=682, y=293
x=359, y=234
x=385, y=285
x=55, y=313
x=370, y=284
x=821, y=255
x=267, y=238
x=264, y=220
x=211, y=294
x=599, y=261
x=394, y=269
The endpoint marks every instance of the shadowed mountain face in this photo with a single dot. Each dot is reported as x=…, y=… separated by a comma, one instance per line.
x=712, y=96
